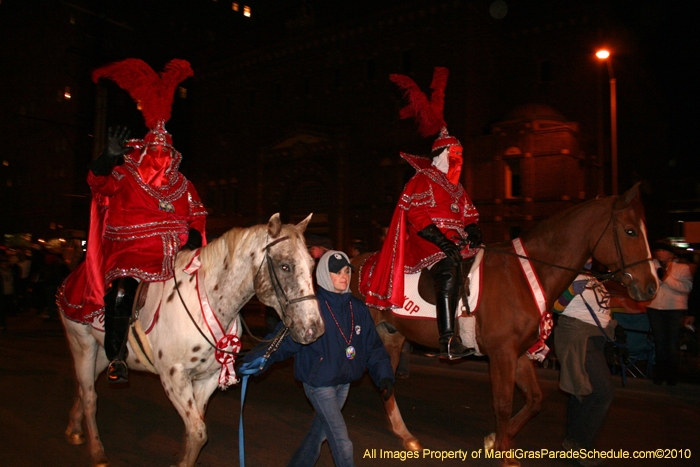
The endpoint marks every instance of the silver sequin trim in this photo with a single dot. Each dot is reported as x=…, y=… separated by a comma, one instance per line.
x=133, y=232
x=171, y=245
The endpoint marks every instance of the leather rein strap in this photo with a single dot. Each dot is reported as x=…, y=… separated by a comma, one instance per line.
x=625, y=277
x=276, y=285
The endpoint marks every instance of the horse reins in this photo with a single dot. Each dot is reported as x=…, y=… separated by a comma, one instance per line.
x=280, y=294
x=603, y=277
x=625, y=277
x=211, y=344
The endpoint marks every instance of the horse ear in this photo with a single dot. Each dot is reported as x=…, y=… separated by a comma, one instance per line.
x=274, y=226
x=302, y=225
x=628, y=196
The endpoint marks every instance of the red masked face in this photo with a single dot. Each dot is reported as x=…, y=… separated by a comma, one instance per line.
x=154, y=164
x=455, y=170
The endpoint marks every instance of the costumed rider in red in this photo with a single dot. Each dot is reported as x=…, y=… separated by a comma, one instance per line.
x=433, y=211
x=144, y=211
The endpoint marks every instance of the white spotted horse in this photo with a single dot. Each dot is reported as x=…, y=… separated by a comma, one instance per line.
x=187, y=327
x=508, y=317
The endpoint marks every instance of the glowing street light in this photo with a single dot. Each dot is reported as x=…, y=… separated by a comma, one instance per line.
x=605, y=55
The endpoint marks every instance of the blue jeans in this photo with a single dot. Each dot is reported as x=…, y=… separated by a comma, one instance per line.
x=328, y=424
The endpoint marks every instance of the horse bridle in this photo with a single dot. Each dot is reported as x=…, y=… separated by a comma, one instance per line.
x=625, y=277
x=280, y=294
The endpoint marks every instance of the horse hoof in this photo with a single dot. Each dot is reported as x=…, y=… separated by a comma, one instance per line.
x=75, y=438
x=490, y=442
x=412, y=445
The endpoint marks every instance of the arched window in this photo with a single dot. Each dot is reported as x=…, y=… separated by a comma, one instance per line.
x=512, y=176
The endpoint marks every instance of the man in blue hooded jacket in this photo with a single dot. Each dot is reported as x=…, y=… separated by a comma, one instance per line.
x=328, y=366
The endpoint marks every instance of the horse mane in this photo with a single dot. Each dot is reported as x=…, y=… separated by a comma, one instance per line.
x=547, y=238
x=549, y=224
x=233, y=240
x=608, y=203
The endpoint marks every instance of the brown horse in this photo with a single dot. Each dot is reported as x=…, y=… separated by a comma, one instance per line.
x=507, y=319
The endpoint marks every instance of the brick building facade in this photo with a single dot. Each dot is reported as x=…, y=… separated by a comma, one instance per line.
x=312, y=110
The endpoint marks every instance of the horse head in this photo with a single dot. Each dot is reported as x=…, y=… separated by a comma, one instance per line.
x=625, y=247
x=284, y=280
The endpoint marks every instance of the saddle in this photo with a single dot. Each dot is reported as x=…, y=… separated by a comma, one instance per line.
x=426, y=286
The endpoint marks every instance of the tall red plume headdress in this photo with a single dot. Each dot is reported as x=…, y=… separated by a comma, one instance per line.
x=427, y=112
x=152, y=91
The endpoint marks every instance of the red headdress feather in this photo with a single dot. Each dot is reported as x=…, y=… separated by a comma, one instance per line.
x=428, y=113
x=154, y=92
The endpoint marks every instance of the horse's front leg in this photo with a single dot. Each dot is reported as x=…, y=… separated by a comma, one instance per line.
x=203, y=389
x=410, y=442
x=74, y=432
x=393, y=342
x=502, y=371
x=526, y=379
x=178, y=387
x=89, y=363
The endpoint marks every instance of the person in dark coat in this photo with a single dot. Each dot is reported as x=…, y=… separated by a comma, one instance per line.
x=667, y=310
x=327, y=366
x=580, y=337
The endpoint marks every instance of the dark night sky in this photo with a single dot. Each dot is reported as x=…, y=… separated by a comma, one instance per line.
x=664, y=37
x=659, y=33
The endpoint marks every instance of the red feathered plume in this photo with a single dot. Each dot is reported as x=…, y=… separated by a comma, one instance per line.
x=428, y=113
x=154, y=92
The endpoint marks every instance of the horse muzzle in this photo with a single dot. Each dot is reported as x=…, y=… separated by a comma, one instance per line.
x=305, y=322
x=641, y=292
x=306, y=334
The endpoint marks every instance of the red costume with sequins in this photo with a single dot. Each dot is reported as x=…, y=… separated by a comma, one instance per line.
x=428, y=198
x=432, y=218
x=135, y=231
x=142, y=211
x=141, y=237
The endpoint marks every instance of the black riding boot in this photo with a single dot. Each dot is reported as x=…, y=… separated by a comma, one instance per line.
x=447, y=298
x=118, y=304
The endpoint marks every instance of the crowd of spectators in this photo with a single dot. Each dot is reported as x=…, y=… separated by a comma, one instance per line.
x=29, y=278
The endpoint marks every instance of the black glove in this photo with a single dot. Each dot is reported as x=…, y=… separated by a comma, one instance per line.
x=473, y=235
x=434, y=235
x=386, y=388
x=194, y=240
x=116, y=137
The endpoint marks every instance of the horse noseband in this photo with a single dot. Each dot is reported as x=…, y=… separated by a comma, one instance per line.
x=626, y=279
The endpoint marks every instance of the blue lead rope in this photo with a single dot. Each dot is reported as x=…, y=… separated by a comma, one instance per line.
x=247, y=369
x=253, y=368
x=241, y=442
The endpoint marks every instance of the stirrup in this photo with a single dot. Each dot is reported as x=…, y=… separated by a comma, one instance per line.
x=117, y=372
x=452, y=348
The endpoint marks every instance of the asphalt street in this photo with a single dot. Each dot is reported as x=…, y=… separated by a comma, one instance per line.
x=446, y=405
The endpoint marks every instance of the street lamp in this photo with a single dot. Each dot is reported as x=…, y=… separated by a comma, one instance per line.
x=605, y=55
